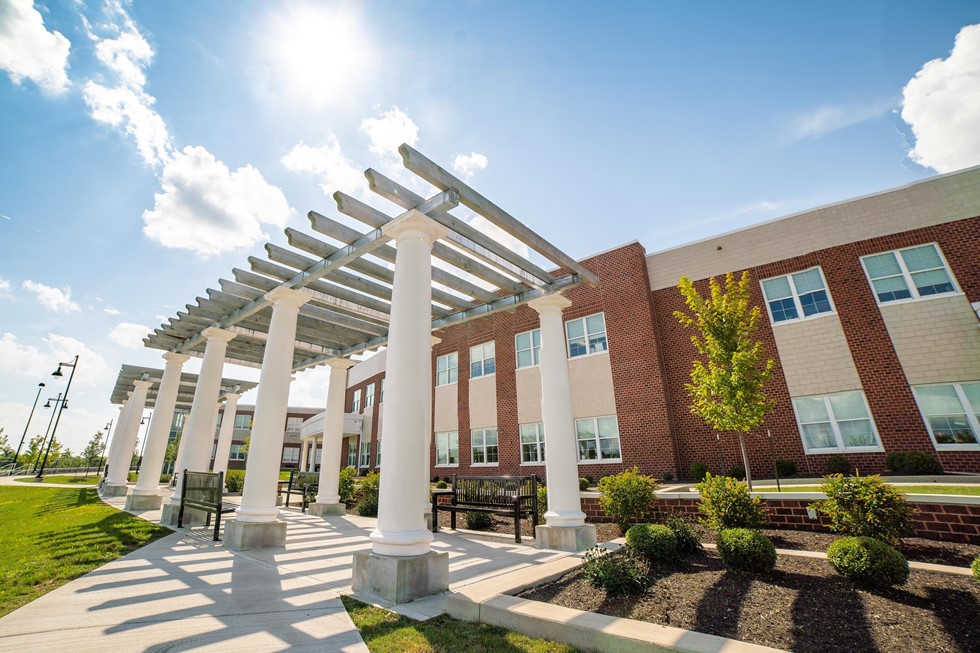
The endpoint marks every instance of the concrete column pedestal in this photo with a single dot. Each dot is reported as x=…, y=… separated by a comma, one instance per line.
x=243, y=536
x=400, y=579
x=141, y=501
x=565, y=538
x=326, y=509
x=110, y=490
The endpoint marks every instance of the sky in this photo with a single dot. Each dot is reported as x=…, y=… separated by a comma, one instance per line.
x=147, y=148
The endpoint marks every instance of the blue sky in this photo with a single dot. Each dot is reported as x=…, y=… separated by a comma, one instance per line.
x=148, y=148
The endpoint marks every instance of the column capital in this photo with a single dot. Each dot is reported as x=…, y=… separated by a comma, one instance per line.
x=435, y=340
x=288, y=296
x=220, y=335
x=231, y=396
x=552, y=303
x=341, y=363
x=143, y=384
x=415, y=224
x=175, y=358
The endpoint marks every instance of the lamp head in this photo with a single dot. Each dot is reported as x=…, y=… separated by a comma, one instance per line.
x=64, y=405
x=47, y=404
x=57, y=372
x=40, y=385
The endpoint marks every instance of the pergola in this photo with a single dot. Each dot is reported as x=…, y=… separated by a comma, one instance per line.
x=344, y=291
x=129, y=374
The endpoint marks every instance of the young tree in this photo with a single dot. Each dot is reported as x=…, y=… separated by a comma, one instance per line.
x=726, y=388
x=32, y=453
x=6, y=451
x=93, y=449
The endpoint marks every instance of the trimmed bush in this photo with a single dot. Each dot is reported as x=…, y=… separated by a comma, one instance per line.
x=619, y=573
x=583, y=484
x=975, y=566
x=478, y=521
x=838, y=464
x=627, y=496
x=866, y=506
x=235, y=480
x=654, y=542
x=441, y=485
x=165, y=478
x=868, y=562
x=447, y=479
x=698, y=471
x=727, y=503
x=668, y=477
x=686, y=532
x=435, y=479
x=542, y=502
x=131, y=477
x=367, y=506
x=738, y=471
x=913, y=462
x=786, y=468
x=746, y=549
x=346, y=486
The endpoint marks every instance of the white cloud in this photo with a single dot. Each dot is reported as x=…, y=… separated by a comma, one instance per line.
x=328, y=162
x=28, y=360
x=833, y=117
x=467, y=164
x=129, y=335
x=28, y=50
x=209, y=209
x=131, y=109
x=942, y=106
x=310, y=388
x=54, y=299
x=4, y=285
x=386, y=132
x=110, y=310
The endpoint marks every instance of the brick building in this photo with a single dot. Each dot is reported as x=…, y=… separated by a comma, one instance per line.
x=871, y=314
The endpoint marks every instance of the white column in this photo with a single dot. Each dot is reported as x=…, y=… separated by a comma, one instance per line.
x=120, y=426
x=427, y=504
x=401, y=527
x=163, y=412
x=311, y=463
x=119, y=470
x=195, y=443
x=265, y=447
x=333, y=432
x=561, y=461
x=303, y=446
x=225, y=434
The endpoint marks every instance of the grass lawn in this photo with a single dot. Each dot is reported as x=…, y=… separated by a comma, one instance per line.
x=53, y=535
x=387, y=632
x=973, y=490
x=91, y=479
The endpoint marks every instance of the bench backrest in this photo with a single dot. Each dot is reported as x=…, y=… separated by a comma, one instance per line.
x=202, y=488
x=493, y=490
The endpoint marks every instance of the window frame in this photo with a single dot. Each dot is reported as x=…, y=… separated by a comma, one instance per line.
x=452, y=363
x=369, y=395
x=377, y=457
x=299, y=425
x=381, y=397
x=448, y=437
x=795, y=296
x=291, y=450
x=241, y=419
x=971, y=417
x=364, y=454
x=355, y=402
x=841, y=447
x=538, y=444
x=600, y=460
x=235, y=452
x=352, y=453
x=484, y=432
x=535, y=351
x=483, y=359
x=907, y=276
x=585, y=329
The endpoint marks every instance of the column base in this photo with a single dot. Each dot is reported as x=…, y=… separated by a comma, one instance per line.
x=327, y=509
x=109, y=490
x=428, y=519
x=400, y=579
x=243, y=536
x=171, y=511
x=143, y=501
x=565, y=538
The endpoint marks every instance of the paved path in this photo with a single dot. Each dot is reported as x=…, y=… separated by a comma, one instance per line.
x=187, y=593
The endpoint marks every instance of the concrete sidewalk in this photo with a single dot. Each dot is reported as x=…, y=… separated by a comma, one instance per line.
x=187, y=593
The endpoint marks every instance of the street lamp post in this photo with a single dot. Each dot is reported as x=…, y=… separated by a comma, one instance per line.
x=57, y=373
x=145, y=420
x=105, y=443
x=57, y=400
x=40, y=386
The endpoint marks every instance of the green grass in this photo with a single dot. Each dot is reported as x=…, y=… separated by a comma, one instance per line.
x=284, y=475
x=387, y=632
x=973, y=490
x=50, y=536
x=91, y=479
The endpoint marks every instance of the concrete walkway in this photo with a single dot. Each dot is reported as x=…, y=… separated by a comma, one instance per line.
x=187, y=593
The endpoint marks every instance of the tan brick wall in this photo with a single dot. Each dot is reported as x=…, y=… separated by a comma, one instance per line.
x=528, y=395
x=483, y=402
x=592, y=386
x=445, y=417
x=815, y=356
x=937, y=340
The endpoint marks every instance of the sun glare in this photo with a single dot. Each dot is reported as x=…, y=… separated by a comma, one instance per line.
x=320, y=54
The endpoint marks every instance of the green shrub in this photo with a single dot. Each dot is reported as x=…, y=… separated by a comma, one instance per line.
x=627, y=496
x=478, y=521
x=668, y=477
x=165, y=478
x=235, y=480
x=590, y=480
x=738, y=472
x=346, y=486
x=838, y=464
x=868, y=562
x=975, y=566
x=746, y=550
x=367, y=506
x=687, y=533
x=786, y=468
x=913, y=462
x=619, y=573
x=865, y=506
x=131, y=477
x=542, y=502
x=441, y=485
x=583, y=484
x=726, y=503
x=447, y=479
x=698, y=471
x=654, y=542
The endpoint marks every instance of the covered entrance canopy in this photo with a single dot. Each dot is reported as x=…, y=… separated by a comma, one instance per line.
x=129, y=374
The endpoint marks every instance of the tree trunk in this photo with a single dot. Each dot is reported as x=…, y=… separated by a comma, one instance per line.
x=745, y=460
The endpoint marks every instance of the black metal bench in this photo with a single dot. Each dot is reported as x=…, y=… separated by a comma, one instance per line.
x=202, y=491
x=507, y=496
x=306, y=484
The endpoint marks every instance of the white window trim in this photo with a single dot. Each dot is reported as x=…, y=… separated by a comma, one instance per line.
x=381, y=394
x=796, y=298
x=970, y=417
x=833, y=426
x=482, y=360
x=435, y=443
x=533, y=364
x=369, y=396
x=435, y=374
x=907, y=276
x=475, y=464
x=355, y=404
x=520, y=443
x=360, y=454
x=599, y=461
x=568, y=346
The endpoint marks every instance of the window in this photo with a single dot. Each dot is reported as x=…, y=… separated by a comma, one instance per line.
x=447, y=448
x=220, y=415
x=446, y=369
x=378, y=457
x=528, y=346
x=803, y=294
x=243, y=422
x=382, y=399
x=482, y=360
x=836, y=422
x=951, y=413
x=294, y=424
x=532, y=443
x=290, y=455
x=484, y=445
x=351, y=454
x=910, y=273
x=237, y=452
x=586, y=335
x=598, y=439
x=355, y=405
x=365, y=454
x=369, y=396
